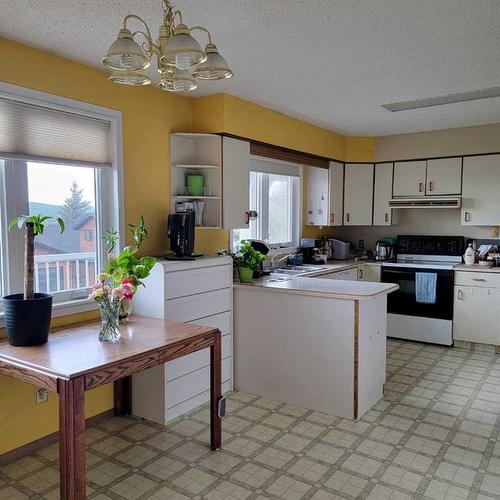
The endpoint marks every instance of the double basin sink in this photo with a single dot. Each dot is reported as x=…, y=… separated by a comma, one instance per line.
x=285, y=273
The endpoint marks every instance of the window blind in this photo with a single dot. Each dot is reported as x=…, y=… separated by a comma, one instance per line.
x=268, y=166
x=40, y=132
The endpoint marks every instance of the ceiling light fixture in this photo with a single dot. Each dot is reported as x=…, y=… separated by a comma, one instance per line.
x=180, y=58
x=428, y=102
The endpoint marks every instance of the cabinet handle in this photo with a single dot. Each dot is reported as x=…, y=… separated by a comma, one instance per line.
x=420, y=186
x=460, y=295
x=386, y=217
x=478, y=279
x=348, y=217
x=332, y=218
x=431, y=188
x=251, y=214
x=360, y=274
x=467, y=216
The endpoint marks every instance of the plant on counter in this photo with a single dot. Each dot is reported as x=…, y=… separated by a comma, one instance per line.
x=28, y=314
x=126, y=267
x=247, y=260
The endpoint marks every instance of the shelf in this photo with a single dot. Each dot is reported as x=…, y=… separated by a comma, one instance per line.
x=197, y=167
x=196, y=197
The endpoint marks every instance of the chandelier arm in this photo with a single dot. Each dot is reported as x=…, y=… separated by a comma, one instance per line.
x=177, y=13
x=147, y=34
x=201, y=28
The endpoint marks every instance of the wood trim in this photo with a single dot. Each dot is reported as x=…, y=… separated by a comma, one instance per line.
x=29, y=376
x=356, y=359
x=289, y=155
x=40, y=444
x=215, y=392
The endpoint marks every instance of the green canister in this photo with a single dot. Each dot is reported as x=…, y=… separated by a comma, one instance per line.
x=194, y=184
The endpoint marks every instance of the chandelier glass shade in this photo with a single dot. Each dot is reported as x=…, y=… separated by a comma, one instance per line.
x=181, y=60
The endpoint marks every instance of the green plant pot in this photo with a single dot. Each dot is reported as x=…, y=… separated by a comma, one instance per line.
x=245, y=274
x=194, y=185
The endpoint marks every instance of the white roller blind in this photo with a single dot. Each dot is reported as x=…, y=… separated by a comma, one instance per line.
x=268, y=166
x=39, y=132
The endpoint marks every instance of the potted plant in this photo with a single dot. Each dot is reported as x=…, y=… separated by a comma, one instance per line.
x=247, y=260
x=28, y=314
x=126, y=267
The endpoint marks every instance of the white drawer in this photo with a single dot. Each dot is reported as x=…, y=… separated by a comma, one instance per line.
x=192, y=362
x=194, y=383
x=198, y=306
x=473, y=278
x=206, y=279
x=221, y=321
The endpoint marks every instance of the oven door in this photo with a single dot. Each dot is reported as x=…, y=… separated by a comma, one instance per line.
x=404, y=300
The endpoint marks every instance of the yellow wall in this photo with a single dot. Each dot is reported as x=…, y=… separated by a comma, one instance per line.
x=148, y=117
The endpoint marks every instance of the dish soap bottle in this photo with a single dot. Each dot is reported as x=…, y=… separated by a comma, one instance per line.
x=469, y=256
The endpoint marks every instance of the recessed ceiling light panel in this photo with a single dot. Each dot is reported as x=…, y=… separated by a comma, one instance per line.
x=444, y=99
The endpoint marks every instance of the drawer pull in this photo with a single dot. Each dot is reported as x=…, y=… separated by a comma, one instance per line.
x=332, y=218
x=478, y=279
x=460, y=295
x=420, y=186
x=467, y=216
x=431, y=187
x=386, y=217
x=348, y=217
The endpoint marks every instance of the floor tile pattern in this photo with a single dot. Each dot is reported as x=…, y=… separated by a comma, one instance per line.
x=434, y=436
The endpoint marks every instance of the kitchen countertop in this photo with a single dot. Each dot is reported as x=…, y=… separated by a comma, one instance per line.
x=321, y=287
x=339, y=265
x=477, y=268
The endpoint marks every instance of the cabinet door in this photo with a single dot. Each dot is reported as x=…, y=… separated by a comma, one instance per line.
x=336, y=193
x=317, y=205
x=382, y=193
x=370, y=272
x=476, y=316
x=409, y=178
x=480, y=191
x=444, y=176
x=236, y=182
x=358, y=194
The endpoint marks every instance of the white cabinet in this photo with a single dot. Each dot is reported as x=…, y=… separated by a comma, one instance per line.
x=347, y=274
x=236, y=182
x=382, y=193
x=193, y=292
x=476, y=316
x=409, y=178
x=336, y=193
x=317, y=190
x=369, y=272
x=480, y=191
x=358, y=194
x=444, y=176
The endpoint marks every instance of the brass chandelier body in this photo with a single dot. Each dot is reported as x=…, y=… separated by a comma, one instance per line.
x=180, y=59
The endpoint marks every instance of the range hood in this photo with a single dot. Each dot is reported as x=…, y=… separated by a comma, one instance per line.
x=427, y=202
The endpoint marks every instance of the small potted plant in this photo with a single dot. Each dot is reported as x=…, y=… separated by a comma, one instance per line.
x=126, y=267
x=247, y=260
x=28, y=314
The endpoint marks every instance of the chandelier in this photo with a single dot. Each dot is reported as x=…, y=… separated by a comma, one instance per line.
x=180, y=59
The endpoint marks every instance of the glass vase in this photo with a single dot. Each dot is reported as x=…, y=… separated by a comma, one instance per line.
x=110, y=327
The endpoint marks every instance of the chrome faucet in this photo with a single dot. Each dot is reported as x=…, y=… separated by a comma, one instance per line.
x=272, y=267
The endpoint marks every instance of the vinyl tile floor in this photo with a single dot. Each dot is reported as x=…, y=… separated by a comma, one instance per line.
x=434, y=436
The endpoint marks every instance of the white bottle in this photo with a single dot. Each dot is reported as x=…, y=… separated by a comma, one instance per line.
x=469, y=256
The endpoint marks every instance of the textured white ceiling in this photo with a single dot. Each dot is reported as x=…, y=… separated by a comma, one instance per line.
x=329, y=62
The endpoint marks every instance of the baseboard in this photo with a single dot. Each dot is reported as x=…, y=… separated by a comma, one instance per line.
x=39, y=444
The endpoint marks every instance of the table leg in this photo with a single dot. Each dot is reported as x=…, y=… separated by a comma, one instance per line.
x=72, y=438
x=123, y=396
x=215, y=393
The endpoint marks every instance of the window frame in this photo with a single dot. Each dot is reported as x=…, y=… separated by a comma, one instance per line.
x=109, y=180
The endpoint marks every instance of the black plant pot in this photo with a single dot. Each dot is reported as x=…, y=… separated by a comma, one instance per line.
x=28, y=321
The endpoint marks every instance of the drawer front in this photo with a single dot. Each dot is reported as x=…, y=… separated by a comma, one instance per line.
x=472, y=278
x=192, y=362
x=195, y=307
x=184, y=283
x=221, y=321
x=192, y=384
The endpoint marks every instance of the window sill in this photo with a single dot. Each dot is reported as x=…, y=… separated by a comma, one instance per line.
x=64, y=309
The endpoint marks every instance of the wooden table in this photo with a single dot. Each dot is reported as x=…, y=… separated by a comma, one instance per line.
x=74, y=361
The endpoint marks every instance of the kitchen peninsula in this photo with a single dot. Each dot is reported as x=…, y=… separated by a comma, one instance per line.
x=313, y=342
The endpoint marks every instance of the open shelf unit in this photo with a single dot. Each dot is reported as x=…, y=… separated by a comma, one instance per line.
x=197, y=154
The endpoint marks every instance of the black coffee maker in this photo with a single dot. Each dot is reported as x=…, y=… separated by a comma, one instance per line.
x=181, y=233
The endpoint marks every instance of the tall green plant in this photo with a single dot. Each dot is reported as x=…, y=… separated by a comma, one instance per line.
x=33, y=226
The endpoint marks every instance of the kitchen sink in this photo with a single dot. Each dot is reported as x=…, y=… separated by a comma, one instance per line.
x=297, y=270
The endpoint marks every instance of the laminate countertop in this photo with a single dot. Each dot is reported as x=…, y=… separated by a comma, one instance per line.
x=476, y=268
x=321, y=287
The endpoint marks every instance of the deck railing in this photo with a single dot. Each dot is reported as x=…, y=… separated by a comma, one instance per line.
x=63, y=272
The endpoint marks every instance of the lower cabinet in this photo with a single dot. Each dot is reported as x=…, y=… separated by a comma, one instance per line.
x=197, y=292
x=476, y=315
x=348, y=274
x=370, y=272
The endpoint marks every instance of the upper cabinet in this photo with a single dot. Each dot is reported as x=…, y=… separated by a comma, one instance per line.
x=444, y=176
x=317, y=196
x=409, y=178
x=480, y=191
x=236, y=185
x=382, y=193
x=358, y=194
x=336, y=193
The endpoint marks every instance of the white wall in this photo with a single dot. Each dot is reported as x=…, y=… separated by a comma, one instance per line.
x=434, y=221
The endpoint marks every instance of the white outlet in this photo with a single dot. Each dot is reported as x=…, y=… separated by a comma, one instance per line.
x=42, y=396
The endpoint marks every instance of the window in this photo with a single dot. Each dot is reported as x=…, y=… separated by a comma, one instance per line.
x=276, y=200
x=40, y=176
